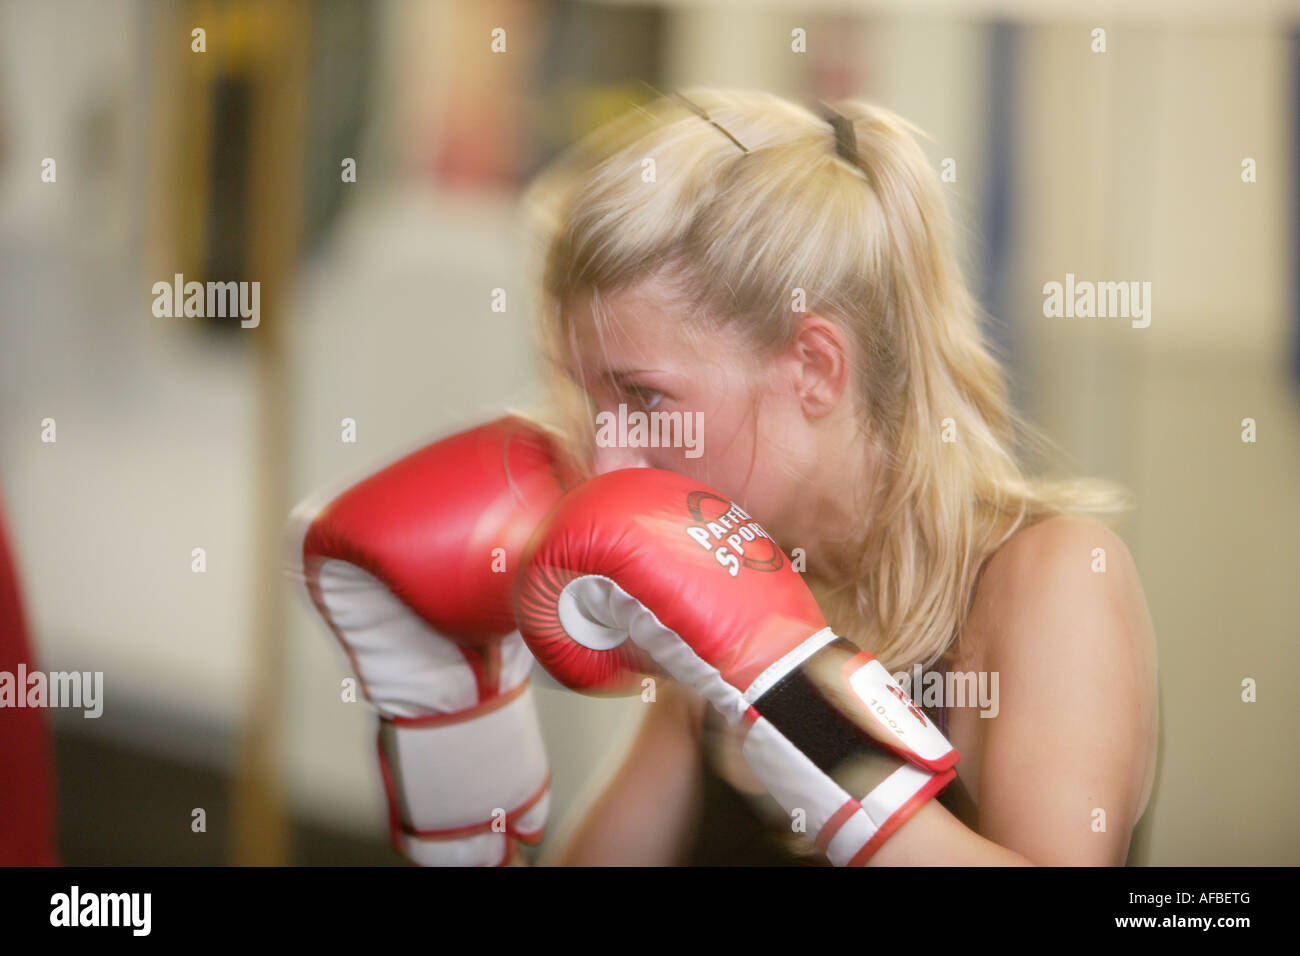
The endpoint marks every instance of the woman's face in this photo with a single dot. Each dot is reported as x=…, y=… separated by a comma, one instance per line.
x=748, y=436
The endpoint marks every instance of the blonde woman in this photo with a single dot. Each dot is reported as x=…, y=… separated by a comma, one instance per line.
x=788, y=281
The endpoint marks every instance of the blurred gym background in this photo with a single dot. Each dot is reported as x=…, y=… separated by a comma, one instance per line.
x=1170, y=156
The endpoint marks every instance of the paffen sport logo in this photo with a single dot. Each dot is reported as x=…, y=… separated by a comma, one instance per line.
x=735, y=539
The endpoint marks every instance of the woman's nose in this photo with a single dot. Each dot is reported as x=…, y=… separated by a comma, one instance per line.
x=612, y=459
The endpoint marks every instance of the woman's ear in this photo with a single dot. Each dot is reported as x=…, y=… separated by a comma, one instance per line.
x=820, y=358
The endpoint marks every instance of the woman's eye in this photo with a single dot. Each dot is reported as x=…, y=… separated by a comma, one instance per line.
x=647, y=397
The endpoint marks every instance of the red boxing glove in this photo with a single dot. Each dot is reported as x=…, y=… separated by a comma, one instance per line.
x=412, y=568
x=642, y=571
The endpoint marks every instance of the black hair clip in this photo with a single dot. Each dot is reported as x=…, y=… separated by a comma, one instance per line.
x=846, y=140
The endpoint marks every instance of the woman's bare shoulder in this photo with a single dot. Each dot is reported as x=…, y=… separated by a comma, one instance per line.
x=1055, y=538
x=1048, y=571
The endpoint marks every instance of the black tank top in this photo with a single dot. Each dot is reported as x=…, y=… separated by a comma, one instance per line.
x=748, y=827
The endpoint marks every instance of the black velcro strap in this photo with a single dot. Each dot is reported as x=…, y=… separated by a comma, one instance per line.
x=821, y=730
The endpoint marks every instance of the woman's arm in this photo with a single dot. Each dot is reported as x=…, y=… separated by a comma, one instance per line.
x=646, y=814
x=1066, y=765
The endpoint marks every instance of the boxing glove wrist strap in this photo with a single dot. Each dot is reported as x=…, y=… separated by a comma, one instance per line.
x=471, y=771
x=866, y=702
x=832, y=719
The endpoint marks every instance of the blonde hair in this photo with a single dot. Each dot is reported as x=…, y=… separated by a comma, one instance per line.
x=749, y=202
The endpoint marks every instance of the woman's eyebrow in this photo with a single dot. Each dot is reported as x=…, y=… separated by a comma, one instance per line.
x=618, y=374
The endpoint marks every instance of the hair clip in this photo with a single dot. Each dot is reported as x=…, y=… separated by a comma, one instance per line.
x=846, y=140
x=702, y=114
x=712, y=122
